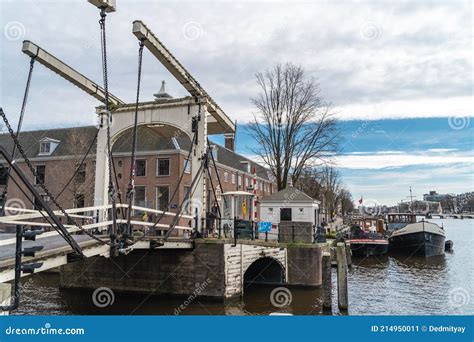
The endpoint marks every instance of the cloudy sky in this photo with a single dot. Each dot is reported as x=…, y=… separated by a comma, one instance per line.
x=399, y=75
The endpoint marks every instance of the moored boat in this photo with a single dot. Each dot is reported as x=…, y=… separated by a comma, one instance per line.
x=415, y=238
x=367, y=237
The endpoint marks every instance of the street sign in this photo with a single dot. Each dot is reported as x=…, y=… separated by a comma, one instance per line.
x=264, y=227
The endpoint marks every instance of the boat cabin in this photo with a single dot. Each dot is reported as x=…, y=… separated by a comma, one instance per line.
x=366, y=227
x=399, y=220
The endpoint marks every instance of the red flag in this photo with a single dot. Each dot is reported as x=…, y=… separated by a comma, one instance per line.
x=360, y=201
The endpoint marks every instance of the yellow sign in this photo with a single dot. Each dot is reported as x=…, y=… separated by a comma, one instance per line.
x=244, y=208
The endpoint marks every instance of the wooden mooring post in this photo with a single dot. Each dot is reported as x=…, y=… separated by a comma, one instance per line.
x=348, y=254
x=327, y=281
x=5, y=296
x=342, y=291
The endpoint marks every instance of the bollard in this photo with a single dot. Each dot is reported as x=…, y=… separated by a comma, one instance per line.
x=5, y=297
x=349, y=254
x=342, y=295
x=327, y=282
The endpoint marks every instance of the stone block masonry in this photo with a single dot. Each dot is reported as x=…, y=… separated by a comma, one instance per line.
x=216, y=263
x=290, y=232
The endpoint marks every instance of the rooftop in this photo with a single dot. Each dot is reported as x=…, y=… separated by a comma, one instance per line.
x=76, y=140
x=290, y=194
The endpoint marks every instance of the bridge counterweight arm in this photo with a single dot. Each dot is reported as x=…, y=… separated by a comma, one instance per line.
x=68, y=73
x=157, y=48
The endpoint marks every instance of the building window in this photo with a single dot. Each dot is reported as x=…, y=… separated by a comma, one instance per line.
x=40, y=174
x=81, y=175
x=233, y=178
x=163, y=168
x=3, y=175
x=217, y=173
x=187, y=166
x=45, y=148
x=79, y=201
x=240, y=180
x=140, y=167
x=246, y=182
x=139, y=197
x=162, y=197
x=226, y=176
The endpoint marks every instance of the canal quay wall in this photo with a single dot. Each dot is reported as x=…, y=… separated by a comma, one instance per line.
x=213, y=268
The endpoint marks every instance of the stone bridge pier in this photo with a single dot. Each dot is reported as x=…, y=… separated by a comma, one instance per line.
x=214, y=268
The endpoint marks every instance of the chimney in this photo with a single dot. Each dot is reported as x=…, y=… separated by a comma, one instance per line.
x=229, y=141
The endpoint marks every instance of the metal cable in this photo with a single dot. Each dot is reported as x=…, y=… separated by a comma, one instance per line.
x=112, y=190
x=131, y=180
x=79, y=166
x=43, y=187
x=18, y=129
x=177, y=186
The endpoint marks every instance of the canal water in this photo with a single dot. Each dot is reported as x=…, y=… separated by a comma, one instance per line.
x=377, y=286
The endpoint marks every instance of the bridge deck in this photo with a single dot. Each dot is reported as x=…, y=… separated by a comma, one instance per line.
x=55, y=251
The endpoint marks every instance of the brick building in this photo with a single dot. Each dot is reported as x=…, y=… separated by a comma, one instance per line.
x=55, y=153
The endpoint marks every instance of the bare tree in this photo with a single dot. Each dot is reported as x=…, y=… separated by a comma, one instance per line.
x=325, y=185
x=293, y=128
x=347, y=202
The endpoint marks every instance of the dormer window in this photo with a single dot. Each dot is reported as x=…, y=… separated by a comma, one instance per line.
x=47, y=146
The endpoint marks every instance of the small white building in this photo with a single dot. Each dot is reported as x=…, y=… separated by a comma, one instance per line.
x=290, y=204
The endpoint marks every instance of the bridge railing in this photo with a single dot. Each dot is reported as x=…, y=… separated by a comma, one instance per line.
x=88, y=217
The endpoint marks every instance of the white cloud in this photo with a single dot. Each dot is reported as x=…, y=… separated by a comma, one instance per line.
x=389, y=160
x=390, y=60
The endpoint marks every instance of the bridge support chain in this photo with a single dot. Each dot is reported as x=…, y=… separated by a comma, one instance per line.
x=198, y=200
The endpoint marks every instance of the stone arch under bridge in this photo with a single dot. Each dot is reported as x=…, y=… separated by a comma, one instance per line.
x=241, y=257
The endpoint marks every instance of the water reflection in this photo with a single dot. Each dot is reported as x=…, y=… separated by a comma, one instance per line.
x=390, y=285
